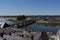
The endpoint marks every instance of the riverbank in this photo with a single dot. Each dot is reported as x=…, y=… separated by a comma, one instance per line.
x=29, y=26
x=14, y=20
x=39, y=27
x=50, y=23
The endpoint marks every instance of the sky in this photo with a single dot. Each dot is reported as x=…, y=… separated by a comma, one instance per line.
x=29, y=7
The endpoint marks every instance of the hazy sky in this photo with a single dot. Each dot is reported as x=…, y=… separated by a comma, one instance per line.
x=29, y=7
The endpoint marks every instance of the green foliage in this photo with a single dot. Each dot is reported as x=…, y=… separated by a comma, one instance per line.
x=13, y=20
x=21, y=17
x=51, y=23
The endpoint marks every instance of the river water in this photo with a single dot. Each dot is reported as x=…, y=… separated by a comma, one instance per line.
x=8, y=22
x=39, y=27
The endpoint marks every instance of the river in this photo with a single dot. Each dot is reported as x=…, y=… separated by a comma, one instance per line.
x=8, y=22
x=36, y=27
x=39, y=27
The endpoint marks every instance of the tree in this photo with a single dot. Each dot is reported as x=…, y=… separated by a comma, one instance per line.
x=21, y=17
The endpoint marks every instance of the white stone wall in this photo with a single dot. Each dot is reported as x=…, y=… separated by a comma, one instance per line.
x=58, y=37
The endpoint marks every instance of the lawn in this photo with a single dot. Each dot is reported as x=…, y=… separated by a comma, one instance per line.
x=51, y=23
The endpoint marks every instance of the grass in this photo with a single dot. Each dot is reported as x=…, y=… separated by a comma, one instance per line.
x=51, y=23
